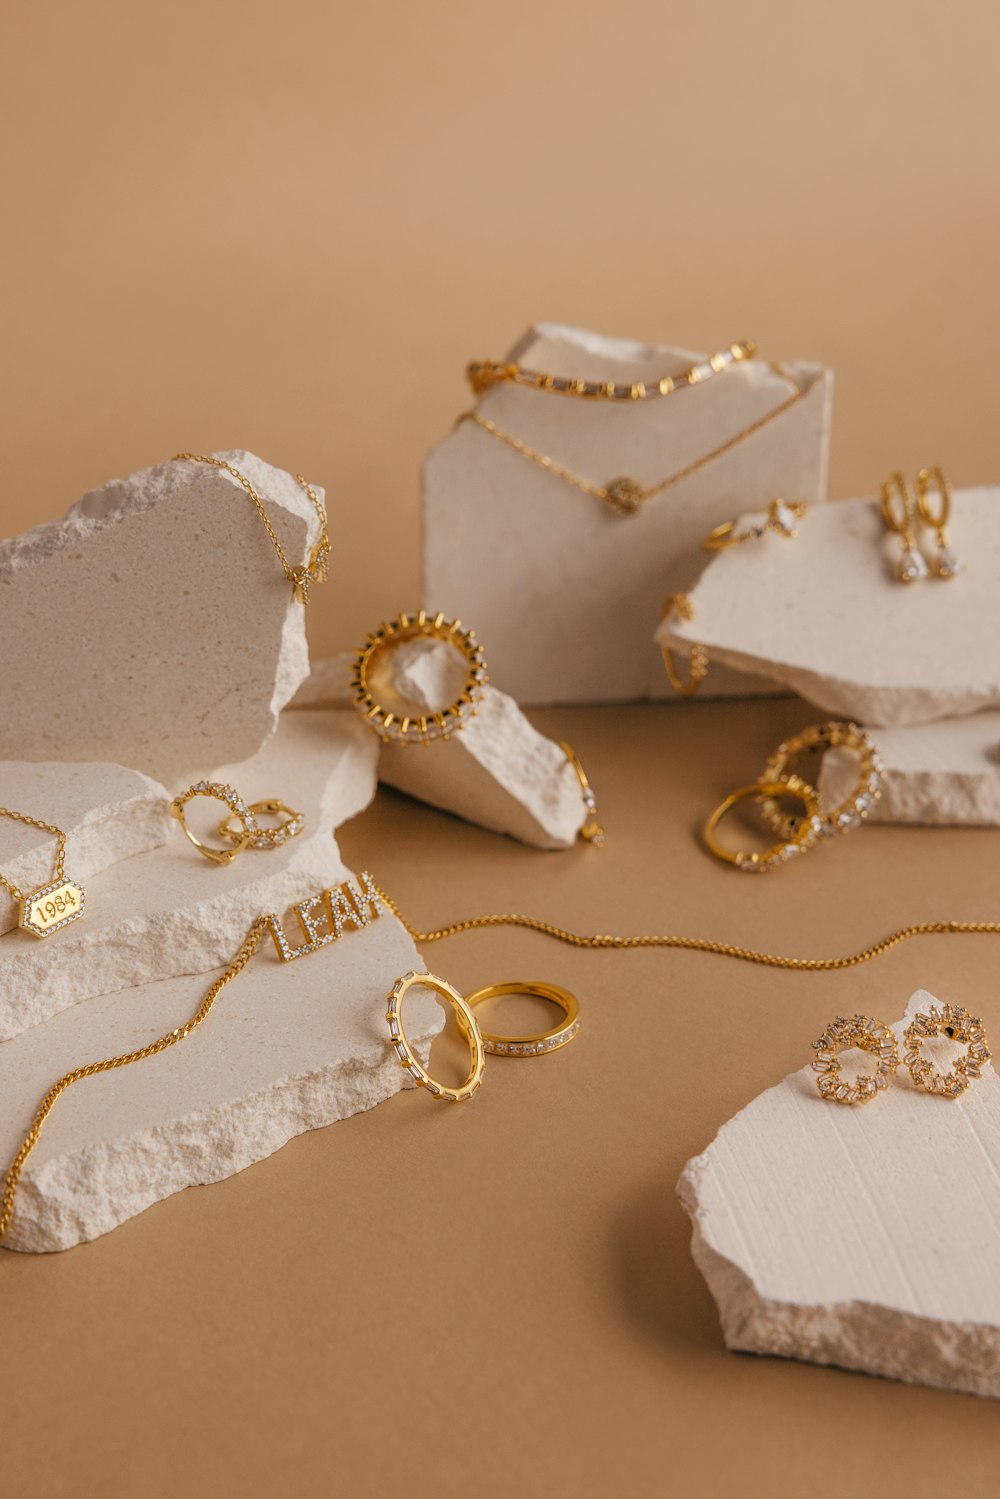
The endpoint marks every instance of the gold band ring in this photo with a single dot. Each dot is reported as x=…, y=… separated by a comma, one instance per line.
x=781, y=518
x=531, y=1045
x=802, y=838
x=857, y=805
x=408, y=1058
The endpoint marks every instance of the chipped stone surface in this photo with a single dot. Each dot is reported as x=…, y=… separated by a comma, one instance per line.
x=825, y=615
x=108, y=814
x=287, y=1048
x=497, y=772
x=942, y=774
x=169, y=911
x=563, y=593
x=861, y=1237
x=158, y=619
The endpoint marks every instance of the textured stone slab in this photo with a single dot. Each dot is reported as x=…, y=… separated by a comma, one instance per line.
x=288, y=1047
x=563, y=593
x=498, y=772
x=863, y=1236
x=938, y=774
x=153, y=626
x=824, y=615
x=172, y=912
x=108, y=814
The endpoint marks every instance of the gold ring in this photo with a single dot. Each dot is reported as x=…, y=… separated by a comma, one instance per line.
x=402, y=729
x=591, y=829
x=800, y=840
x=531, y=1045
x=852, y=811
x=265, y=837
x=404, y=1051
x=698, y=657
x=781, y=518
x=237, y=807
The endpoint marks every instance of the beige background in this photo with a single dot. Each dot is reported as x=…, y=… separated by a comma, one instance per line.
x=286, y=227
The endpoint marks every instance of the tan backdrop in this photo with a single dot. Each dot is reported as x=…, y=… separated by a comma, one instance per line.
x=286, y=227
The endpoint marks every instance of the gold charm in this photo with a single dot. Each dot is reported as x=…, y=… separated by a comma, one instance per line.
x=625, y=495
x=51, y=908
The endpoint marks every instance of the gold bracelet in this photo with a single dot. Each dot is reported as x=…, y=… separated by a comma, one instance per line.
x=801, y=839
x=481, y=374
x=852, y=811
x=591, y=830
x=303, y=576
x=781, y=518
x=403, y=729
x=408, y=1057
x=54, y=905
x=697, y=657
x=530, y=1045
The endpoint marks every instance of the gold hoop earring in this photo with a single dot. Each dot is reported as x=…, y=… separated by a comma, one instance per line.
x=956, y=1024
x=946, y=564
x=408, y=1058
x=535, y=1044
x=592, y=829
x=247, y=832
x=868, y=1035
x=265, y=838
x=698, y=656
x=897, y=506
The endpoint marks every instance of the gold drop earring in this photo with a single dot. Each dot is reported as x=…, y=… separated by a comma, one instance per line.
x=946, y=564
x=898, y=512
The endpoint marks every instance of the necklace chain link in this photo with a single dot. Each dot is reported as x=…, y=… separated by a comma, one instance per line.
x=44, y=827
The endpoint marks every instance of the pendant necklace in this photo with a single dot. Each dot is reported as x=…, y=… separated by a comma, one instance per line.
x=55, y=905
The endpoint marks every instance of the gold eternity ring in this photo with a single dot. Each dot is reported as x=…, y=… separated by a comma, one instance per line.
x=232, y=829
x=801, y=839
x=530, y=1045
x=397, y=728
x=852, y=811
x=408, y=1058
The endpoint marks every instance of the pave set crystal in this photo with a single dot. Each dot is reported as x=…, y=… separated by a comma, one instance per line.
x=324, y=918
x=536, y=1048
x=869, y=1035
x=62, y=901
x=955, y=1023
x=855, y=808
x=404, y=729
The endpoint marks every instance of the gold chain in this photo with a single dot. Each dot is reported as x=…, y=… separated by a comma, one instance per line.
x=625, y=495
x=250, y=944
x=481, y=374
x=45, y=827
x=314, y=571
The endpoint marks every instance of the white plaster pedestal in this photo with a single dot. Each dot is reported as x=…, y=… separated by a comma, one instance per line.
x=941, y=774
x=864, y=1237
x=564, y=593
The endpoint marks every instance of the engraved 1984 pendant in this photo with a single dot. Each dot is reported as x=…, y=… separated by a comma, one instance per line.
x=51, y=908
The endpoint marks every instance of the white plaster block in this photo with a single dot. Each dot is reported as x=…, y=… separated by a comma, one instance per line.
x=108, y=814
x=170, y=911
x=497, y=772
x=941, y=774
x=287, y=1048
x=861, y=1237
x=328, y=684
x=153, y=625
x=824, y=615
x=563, y=593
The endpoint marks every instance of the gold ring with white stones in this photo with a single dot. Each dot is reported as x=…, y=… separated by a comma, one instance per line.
x=401, y=728
x=781, y=518
x=408, y=1058
x=531, y=1045
x=232, y=830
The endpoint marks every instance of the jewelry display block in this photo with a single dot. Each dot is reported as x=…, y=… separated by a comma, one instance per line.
x=108, y=814
x=825, y=615
x=498, y=772
x=153, y=626
x=288, y=1047
x=945, y=773
x=857, y=1236
x=563, y=592
x=170, y=911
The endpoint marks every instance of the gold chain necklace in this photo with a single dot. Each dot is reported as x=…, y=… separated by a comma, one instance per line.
x=313, y=571
x=252, y=940
x=483, y=373
x=626, y=495
x=53, y=906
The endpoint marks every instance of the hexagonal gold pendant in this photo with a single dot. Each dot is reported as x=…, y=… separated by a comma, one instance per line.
x=51, y=908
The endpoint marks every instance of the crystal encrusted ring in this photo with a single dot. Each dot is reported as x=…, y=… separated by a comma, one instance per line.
x=852, y=811
x=249, y=830
x=956, y=1024
x=401, y=728
x=868, y=1035
x=535, y=1045
x=232, y=828
x=408, y=1058
x=799, y=840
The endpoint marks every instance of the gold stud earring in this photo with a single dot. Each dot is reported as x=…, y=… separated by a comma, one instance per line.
x=955, y=1023
x=946, y=564
x=868, y=1035
x=898, y=513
